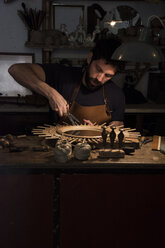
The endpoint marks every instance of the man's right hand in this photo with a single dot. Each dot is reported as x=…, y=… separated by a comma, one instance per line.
x=58, y=103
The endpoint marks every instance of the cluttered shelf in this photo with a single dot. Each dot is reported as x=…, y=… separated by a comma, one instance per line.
x=52, y=47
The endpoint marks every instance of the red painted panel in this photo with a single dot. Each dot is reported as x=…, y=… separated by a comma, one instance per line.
x=26, y=211
x=112, y=210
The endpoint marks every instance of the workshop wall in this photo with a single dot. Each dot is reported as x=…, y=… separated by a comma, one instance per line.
x=14, y=34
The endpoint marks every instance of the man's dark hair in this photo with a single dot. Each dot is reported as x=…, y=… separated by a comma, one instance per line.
x=104, y=49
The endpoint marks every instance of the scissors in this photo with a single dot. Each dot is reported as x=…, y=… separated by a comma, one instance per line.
x=72, y=118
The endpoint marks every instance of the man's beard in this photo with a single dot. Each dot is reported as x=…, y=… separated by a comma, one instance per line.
x=89, y=80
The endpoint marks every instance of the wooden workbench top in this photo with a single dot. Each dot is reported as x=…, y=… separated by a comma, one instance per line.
x=32, y=158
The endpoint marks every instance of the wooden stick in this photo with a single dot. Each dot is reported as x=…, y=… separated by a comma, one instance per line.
x=156, y=142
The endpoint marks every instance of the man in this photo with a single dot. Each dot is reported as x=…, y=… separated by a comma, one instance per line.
x=87, y=92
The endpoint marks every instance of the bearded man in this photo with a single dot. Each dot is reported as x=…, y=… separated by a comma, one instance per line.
x=88, y=92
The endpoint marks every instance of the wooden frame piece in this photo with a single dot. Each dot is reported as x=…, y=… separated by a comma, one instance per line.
x=71, y=133
x=67, y=131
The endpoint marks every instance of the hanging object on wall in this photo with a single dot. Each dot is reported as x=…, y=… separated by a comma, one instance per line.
x=94, y=13
x=122, y=19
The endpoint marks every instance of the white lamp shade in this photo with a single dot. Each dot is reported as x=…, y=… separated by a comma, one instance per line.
x=139, y=52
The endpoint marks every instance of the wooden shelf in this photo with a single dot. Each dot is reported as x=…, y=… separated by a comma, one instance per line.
x=52, y=47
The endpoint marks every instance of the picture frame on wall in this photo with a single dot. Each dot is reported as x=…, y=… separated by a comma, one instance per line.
x=8, y=86
x=72, y=13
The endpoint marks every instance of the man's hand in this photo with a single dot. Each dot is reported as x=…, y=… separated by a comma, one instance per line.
x=58, y=103
x=88, y=122
x=117, y=123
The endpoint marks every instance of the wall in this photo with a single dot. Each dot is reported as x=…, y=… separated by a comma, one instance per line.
x=14, y=34
x=144, y=9
x=13, y=31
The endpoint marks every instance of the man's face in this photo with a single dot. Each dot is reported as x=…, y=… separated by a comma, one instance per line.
x=98, y=73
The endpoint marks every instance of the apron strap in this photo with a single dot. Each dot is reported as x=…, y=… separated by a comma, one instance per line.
x=106, y=101
x=74, y=94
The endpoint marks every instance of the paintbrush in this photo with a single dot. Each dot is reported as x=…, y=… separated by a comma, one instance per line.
x=24, y=19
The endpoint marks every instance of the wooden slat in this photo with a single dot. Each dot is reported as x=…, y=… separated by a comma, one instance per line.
x=156, y=142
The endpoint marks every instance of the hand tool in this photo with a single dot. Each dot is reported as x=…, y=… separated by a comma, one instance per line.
x=72, y=118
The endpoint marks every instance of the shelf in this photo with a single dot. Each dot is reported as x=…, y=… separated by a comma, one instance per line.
x=52, y=47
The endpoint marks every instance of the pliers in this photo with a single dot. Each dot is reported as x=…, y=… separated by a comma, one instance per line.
x=72, y=118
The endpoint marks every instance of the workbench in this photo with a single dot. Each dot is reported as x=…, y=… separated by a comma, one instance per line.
x=93, y=203
x=18, y=117
x=31, y=159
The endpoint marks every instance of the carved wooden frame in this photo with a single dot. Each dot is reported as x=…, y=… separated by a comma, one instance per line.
x=59, y=132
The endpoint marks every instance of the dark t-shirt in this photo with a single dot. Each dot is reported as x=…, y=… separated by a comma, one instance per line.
x=65, y=78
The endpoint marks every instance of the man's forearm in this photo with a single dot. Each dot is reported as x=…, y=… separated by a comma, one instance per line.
x=31, y=77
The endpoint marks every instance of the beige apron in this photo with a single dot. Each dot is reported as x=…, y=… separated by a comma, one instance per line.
x=96, y=114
